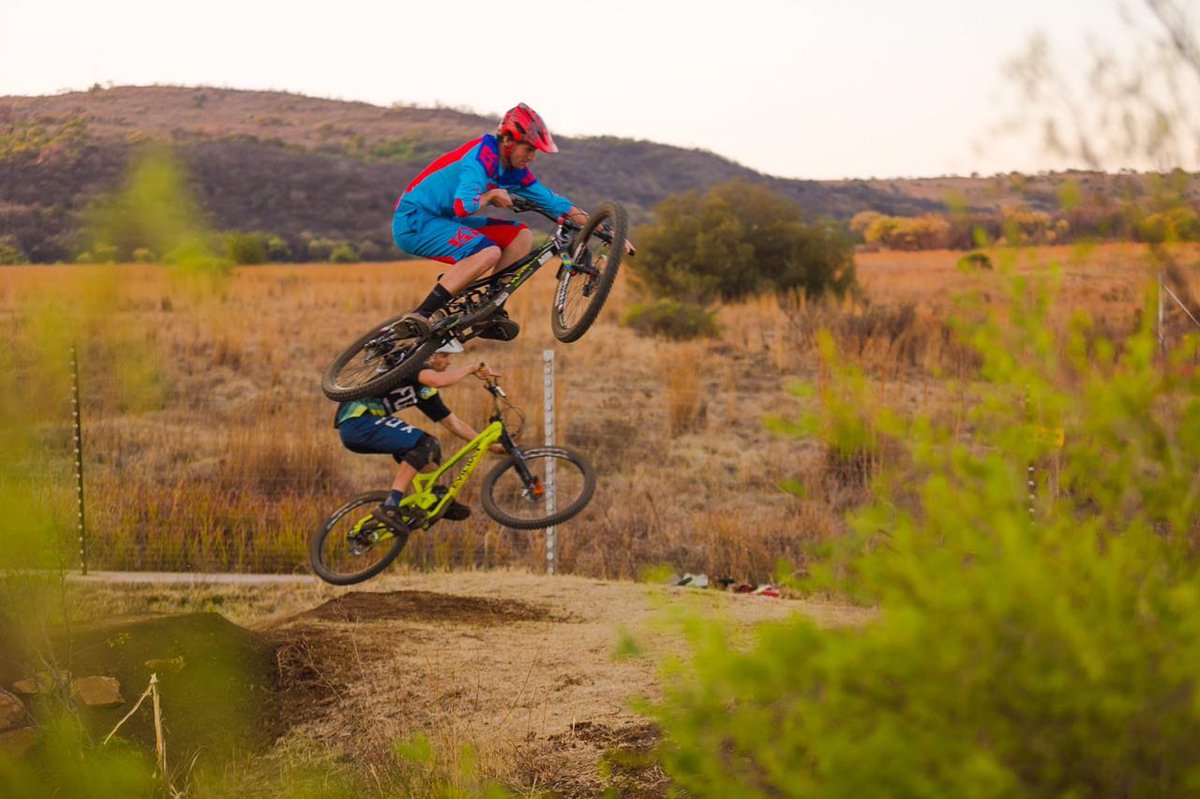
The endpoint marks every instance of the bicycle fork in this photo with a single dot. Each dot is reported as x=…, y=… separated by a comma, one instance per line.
x=534, y=488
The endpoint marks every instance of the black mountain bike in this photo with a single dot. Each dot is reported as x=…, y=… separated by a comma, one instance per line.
x=590, y=257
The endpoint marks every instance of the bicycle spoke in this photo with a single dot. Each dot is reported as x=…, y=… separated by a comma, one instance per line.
x=532, y=500
x=353, y=544
x=586, y=279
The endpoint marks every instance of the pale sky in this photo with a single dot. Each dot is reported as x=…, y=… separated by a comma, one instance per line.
x=793, y=88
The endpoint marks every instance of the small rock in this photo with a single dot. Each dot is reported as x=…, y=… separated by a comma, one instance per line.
x=17, y=742
x=41, y=683
x=12, y=711
x=97, y=691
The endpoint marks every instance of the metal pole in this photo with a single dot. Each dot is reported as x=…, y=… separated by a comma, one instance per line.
x=1162, y=332
x=548, y=425
x=1031, y=484
x=76, y=418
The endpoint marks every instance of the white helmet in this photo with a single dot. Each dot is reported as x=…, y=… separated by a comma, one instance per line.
x=451, y=347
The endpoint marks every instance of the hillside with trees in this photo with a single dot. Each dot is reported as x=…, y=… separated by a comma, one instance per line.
x=309, y=176
x=313, y=170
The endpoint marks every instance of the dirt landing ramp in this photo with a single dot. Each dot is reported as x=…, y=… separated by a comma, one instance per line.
x=217, y=682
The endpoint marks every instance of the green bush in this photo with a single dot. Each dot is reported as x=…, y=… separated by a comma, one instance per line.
x=678, y=321
x=974, y=260
x=10, y=253
x=343, y=253
x=246, y=248
x=736, y=240
x=1176, y=224
x=1023, y=647
x=278, y=250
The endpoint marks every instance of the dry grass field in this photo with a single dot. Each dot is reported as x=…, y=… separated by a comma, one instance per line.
x=209, y=446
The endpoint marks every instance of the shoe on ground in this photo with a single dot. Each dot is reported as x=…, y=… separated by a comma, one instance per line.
x=418, y=323
x=393, y=518
x=500, y=327
x=456, y=511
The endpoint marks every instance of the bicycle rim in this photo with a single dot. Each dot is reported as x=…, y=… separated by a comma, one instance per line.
x=376, y=362
x=584, y=286
x=508, y=499
x=342, y=555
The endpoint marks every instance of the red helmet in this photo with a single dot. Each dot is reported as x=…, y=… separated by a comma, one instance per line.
x=523, y=124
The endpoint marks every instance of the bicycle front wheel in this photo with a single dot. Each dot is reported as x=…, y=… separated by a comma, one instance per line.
x=560, y=484
x=352, y=546
x=584, y=284
x=377, y=362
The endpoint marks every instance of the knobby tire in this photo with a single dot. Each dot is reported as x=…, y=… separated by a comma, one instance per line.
x=572, y=284
x=352, y=511
x=503, y=505
x=340, y=384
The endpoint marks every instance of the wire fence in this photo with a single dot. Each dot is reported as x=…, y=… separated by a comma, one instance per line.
x=217, y=453
x=155, y=481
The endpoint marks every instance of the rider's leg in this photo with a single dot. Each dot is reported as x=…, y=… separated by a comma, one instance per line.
x=517, y=249
x=453, y=281
x=471, y=269
x=404, y=478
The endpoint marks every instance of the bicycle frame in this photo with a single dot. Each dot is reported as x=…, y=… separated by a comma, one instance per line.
x=422, y=495
x=429, y=502
x=501, y=285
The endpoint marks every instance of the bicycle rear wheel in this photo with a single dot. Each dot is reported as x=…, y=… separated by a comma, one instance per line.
x=377, y=362
x=524, y=505
x=343, y=555
x=583, y=286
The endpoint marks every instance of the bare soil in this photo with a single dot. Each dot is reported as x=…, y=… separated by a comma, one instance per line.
x=539, y=674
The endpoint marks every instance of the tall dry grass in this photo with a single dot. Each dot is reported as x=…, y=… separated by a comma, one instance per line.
x=227, y=459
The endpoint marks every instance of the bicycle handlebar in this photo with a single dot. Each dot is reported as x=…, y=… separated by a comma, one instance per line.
x=492, y=384
x=521, y=205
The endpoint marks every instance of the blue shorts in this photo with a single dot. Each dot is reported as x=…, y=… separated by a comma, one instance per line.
x=450, y=240
x=380, y=435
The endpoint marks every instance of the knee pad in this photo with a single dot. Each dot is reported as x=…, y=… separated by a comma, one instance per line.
x=428, y=450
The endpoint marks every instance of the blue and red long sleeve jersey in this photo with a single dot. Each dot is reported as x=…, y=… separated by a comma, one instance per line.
x=452, y=185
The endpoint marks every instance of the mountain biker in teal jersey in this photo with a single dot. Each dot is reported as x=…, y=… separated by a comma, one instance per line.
x=435, y=217
x=368, y=426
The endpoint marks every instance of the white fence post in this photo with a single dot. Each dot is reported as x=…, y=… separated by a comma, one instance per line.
x=548, y=425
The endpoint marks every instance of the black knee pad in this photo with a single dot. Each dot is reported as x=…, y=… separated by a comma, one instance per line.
x=428, y=450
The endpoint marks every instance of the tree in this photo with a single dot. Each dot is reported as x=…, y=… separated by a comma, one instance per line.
x=736, y=240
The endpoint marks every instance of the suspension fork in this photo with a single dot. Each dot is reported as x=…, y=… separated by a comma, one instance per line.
x=531, y=482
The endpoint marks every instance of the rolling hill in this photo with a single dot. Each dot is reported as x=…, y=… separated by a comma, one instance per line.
x=306, y=168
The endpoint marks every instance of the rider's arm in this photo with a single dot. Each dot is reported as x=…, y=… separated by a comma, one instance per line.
x=452, y=375
x=554, y=204
x=477, y=169
x=458, y=427
x=463, y=430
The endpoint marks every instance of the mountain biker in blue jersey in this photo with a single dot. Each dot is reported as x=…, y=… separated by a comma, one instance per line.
x=435, y=217
x=368, y=426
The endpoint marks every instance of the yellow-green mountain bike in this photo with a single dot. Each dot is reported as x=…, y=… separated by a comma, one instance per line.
x=529, y=489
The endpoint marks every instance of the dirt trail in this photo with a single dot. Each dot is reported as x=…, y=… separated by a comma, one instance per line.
x=523, y=667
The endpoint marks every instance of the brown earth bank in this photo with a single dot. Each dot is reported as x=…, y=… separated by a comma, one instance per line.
x=539, y=675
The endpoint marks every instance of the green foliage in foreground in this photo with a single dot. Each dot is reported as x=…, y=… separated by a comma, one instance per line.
x=67, y=762
x=736, y=240
x=1015, y=654
x=154, y=211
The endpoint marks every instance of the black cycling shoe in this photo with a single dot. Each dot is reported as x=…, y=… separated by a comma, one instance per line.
x=500, y=327
x=456, y=511
x=393, y=518
x=418, y=323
